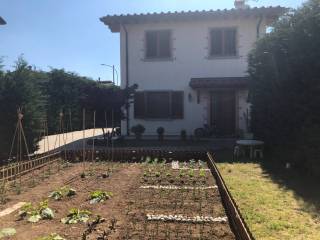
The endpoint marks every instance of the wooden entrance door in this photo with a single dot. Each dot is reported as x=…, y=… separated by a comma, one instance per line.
x=223, y=113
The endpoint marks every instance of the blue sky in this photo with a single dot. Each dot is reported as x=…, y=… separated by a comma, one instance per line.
x=68, y=34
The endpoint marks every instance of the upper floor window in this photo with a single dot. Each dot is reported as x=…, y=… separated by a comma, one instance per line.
x=223, y=42
x=158, y=44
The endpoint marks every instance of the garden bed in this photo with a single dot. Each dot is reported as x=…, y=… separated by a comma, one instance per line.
x=145, y=201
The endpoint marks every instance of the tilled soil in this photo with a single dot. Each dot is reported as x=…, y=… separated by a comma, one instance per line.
x=120, y=182
x=190, y=202
x=125, y=213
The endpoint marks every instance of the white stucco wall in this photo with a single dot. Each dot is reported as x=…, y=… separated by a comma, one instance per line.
x=190, y=60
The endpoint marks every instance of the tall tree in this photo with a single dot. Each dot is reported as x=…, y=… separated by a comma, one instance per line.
x=20, y=89
x=65, y=91
x=285, y=86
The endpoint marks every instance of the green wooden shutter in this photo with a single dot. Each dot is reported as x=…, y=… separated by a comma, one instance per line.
x=177, y=105
x=139, y=105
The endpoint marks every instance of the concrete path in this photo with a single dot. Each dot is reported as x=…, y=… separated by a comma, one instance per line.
x=52, y=142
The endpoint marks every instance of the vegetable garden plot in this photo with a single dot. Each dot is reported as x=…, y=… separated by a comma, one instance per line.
x=182, y=206
x=12, y=190
x=122, y=201
x=74, y=211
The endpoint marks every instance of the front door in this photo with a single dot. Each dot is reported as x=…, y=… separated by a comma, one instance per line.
x=223, y=113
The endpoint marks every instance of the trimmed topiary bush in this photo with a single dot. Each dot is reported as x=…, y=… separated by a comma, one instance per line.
x=138, y=130
x=183, y=135
x=160, y=132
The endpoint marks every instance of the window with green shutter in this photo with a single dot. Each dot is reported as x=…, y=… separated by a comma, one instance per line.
x=159, y=105
x=223, y=42
x=158, y=44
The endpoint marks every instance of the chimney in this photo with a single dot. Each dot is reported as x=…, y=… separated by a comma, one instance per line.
x=240, y=4
x=2, y=21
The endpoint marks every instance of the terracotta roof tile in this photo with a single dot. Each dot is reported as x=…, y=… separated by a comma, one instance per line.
x=114, y=21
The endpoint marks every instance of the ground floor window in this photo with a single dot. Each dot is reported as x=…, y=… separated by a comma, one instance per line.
x=158, y=104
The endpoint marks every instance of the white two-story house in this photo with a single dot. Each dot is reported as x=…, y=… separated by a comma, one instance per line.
x=190, y=67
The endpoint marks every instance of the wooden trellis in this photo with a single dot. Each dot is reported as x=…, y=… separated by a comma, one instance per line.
x=11, y=171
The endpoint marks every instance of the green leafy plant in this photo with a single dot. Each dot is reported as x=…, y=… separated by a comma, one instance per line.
x=52, y=236
x=35, y=214
x=163, y=163
x=192, y=163
x=99, y=196
x=202, y=173
x=160, y=132
x=181, y=173
x=191, y=173
x=138, y=130
x=201, y=164
x=62, y=193
x=75, y=215
x=7, y=232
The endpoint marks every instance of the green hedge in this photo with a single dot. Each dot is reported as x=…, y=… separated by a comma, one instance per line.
x=285, y=87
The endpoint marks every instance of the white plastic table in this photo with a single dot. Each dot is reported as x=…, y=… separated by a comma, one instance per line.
x=251, y=144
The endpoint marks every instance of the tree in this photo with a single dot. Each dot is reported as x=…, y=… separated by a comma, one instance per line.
x=108, y=103
x=65, y=92
x=285, y=87
x=44, y=95
x=20, y=89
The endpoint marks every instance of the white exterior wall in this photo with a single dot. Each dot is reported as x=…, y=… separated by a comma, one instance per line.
x=190, y=60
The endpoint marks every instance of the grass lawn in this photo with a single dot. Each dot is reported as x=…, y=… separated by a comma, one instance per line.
x=273, y=207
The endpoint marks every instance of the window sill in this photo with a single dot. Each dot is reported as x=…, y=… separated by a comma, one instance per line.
x=170, y=59
x=222, y=57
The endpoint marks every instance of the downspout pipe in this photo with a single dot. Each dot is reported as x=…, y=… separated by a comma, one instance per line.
x=127, y=78
x=258, y=26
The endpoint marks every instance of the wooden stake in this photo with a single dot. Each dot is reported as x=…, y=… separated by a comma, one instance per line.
x=71, y=125
x=83, y=138
x=94, y=128
x=112, y=121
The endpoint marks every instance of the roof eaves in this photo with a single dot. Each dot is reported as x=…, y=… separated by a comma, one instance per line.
x=114, y=21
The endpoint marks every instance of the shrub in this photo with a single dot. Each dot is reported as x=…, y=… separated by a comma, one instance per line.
x=160, y=131
x=183, y=135
x=199, y=133
x=138, y=130
x=285, y=87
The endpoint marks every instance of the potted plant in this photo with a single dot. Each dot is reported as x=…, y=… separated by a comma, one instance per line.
x=183, y=135
x=138, y=130
x=160, y=131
